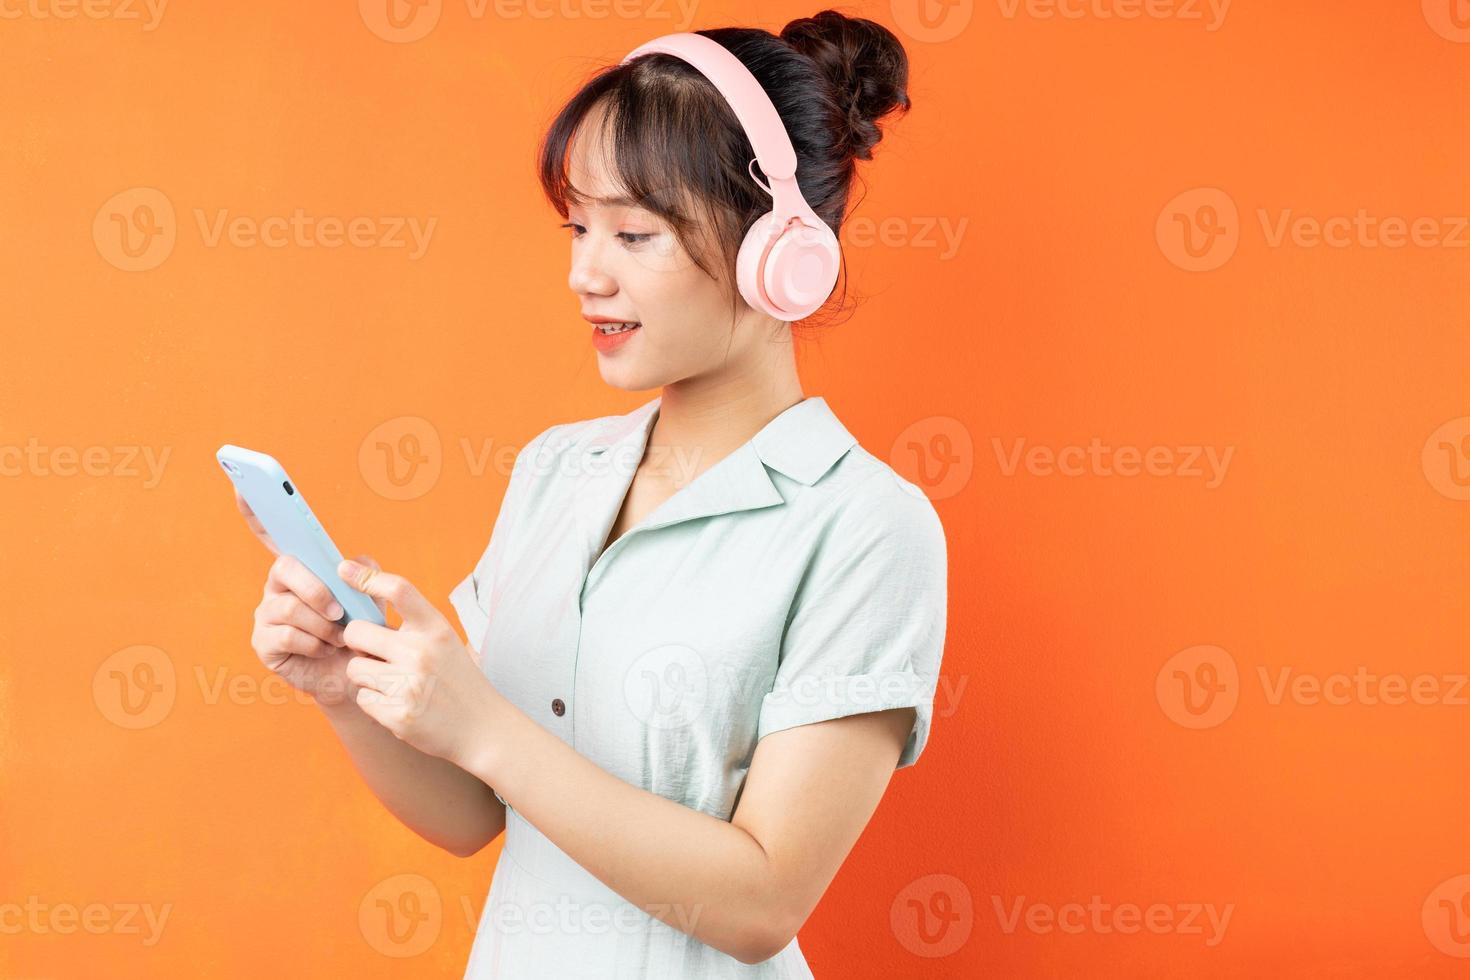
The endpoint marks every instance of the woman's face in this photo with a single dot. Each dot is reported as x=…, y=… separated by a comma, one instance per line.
x=628, y=265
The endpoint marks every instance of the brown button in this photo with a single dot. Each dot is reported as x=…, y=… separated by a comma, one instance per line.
x=557, y=707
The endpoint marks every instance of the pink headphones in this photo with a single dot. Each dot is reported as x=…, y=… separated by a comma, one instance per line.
x=788, y=263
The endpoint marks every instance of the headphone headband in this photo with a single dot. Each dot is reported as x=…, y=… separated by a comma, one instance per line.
x=762, y=124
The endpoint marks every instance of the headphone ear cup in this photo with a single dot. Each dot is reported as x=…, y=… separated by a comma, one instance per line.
x=749, y=262
x=801, y=269
x=788, y=274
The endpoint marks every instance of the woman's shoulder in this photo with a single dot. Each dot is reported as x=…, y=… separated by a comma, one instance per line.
x=863, y=499
x=866, y=491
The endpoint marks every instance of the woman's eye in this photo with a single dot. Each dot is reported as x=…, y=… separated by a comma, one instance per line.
x=630, y=237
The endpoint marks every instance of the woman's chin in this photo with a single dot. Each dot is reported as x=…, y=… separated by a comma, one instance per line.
x=624, y=376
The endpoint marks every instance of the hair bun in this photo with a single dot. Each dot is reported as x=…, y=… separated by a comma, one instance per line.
x=866, y=64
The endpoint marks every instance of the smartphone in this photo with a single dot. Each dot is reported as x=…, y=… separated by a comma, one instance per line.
x=284, y=514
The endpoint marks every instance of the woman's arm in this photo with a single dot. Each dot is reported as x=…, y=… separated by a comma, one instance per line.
x=296, y=636
x=744, y=887
x=434, y=798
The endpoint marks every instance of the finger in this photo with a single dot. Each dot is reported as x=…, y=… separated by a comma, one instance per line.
x=369, y=673
x=286, y=608
x=417, y=612
x=391, y=681
x=288, y=574
x=289, y=639
x=372, y=563
x=383, y=685
x=382, y=642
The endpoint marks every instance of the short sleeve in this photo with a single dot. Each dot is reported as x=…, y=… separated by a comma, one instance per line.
x=868, y=624
x=470, y=597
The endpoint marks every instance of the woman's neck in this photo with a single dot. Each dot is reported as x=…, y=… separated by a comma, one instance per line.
x=708, y=422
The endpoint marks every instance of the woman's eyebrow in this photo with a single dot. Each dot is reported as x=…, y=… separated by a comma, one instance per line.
x=615, y=202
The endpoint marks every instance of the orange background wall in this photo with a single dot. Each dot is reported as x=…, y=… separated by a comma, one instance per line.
x=1111, y=720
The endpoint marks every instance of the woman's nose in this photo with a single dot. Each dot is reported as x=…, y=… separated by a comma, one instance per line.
x=588, y=276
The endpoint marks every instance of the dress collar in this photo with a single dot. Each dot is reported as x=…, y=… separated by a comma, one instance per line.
x=803, y=442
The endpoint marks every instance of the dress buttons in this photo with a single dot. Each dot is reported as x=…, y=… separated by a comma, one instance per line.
x=558, y=708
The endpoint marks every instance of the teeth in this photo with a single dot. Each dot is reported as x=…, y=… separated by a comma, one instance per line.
x=616, y=327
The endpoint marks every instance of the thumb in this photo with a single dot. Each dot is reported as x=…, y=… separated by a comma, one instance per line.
x=394, y=589
x=372, y=563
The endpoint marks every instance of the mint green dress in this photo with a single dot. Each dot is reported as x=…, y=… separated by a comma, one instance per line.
x=796, y=580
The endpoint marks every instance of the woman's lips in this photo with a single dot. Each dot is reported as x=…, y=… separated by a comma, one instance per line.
x=605, y=342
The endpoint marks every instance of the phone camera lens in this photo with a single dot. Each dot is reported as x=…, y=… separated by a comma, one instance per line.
x=287, y=485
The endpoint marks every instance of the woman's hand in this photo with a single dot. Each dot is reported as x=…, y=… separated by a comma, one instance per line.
x=295, y=632
x=419, y=681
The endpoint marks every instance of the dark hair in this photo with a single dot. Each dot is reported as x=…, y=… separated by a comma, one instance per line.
x=677, y=148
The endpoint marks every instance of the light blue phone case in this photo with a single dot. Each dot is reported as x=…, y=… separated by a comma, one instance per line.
x=277, y=501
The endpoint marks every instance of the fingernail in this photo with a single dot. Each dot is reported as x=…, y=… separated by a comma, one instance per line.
x=349, y=570
x=334, y=611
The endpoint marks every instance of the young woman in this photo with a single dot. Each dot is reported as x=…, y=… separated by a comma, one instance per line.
x=702, y=634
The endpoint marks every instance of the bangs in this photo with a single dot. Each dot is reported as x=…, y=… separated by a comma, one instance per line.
x=664, y=148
